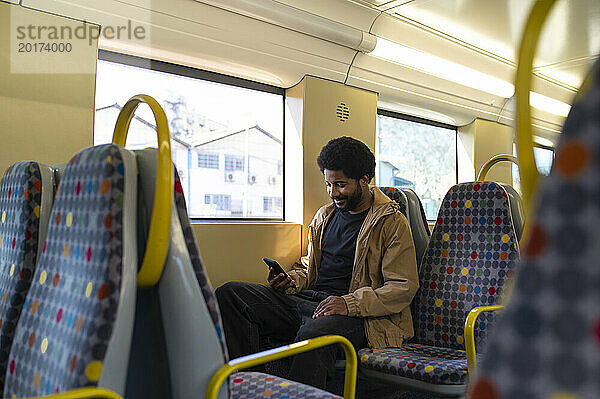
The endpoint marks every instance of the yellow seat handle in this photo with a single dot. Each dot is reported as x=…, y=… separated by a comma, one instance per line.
x=493, y=161
x=531, y=34
x=160, y=225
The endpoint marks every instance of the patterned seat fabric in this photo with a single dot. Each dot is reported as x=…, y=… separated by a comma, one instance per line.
x=20, y=207
x=426, y=363
x=244, y=385
x=70, y=310
x=251, y=385
x=396, y=195
x=547, y=344
x=468, y=258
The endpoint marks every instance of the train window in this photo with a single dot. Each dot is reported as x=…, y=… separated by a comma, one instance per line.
x=418, y=154
x=226, y=133
x=544, y=156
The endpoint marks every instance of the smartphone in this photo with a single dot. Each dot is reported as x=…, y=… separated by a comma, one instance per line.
x=272, y=263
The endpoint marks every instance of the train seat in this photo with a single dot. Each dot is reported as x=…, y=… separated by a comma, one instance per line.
x=26, y=195
x=547, y=340
x=195, y=343
x=75, y=328
x=411, y=207
x=468, y=258
x=516, y=209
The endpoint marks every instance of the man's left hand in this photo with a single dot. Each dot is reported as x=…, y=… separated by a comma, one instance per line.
x=331, y=305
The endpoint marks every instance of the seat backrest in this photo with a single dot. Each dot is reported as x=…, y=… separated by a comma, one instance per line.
x=469, y=256
x=547, y=342
x=187, y=303
x=418, y=224
x=26, y=194
x=516, y=209
x=411, y=207
x=399, y=197
x=76, y=323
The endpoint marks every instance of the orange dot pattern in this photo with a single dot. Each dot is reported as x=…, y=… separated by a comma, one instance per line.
x=20, y=196
x=472, y=248
x=258, y=385
x=422, y=362
x=65, y=325
x=552, y=322
x=469, y=256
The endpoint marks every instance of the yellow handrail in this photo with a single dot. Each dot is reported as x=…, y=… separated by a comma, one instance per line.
x=284, y=351
x=470, y=335
x=527, y=168
x=82, y=393
x=160, y=225
x=493, y=161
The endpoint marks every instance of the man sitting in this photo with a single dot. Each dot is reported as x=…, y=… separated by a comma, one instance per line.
x=357, y=280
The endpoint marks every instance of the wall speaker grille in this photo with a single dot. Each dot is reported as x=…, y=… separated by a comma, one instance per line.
x=342, y=112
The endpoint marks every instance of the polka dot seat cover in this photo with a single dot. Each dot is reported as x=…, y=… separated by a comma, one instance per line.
x=20, y=202
x=243, y=385
x=420, y=362
x=547, y=343
x=468, y=258
x=396, y=195
x=247, y=385
x=68, y=316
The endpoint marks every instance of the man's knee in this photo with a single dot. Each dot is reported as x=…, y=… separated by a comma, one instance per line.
x=313, y=328
x=227, y=289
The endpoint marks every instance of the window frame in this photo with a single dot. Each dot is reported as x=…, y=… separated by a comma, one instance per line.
x=214, y=77
x=416, y=119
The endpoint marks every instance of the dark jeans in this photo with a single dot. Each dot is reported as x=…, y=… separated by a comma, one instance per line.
x=252, y=311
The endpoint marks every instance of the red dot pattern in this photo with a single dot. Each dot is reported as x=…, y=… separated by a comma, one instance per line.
x=469, y=256
x=67, y=302
x=556, y=339
x=20, y=207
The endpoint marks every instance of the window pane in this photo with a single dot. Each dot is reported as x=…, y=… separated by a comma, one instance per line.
x=226, y=141
x=417, y=156
x=543, y=160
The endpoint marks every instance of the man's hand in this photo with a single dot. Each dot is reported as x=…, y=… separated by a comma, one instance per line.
x=280, y=282
x=331, y=305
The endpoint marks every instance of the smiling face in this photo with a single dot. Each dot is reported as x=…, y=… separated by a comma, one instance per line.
x=347, y=194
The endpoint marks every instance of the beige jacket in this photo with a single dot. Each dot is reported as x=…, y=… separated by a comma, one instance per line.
x=384, y=278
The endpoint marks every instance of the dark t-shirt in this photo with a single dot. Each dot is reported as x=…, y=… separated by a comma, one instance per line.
x=338, y=246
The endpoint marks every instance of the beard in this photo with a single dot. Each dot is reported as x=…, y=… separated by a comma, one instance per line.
x=350, y=201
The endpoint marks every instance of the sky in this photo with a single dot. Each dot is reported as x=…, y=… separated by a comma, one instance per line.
x=233, y=106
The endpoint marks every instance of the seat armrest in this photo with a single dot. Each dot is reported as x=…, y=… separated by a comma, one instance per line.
x=470, y=335
x=83, y=393
x=285, y=351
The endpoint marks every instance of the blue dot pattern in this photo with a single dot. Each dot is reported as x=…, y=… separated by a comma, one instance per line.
x=468, y=258
x=396, y=195
x=547, y=342
x=434, y=365
x=20, y=201
x=70, y=310
x=253, y=385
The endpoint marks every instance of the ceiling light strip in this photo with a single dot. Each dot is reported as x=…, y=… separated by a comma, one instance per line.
x=465, y=76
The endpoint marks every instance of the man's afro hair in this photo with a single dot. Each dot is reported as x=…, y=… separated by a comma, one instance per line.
x=349, y=155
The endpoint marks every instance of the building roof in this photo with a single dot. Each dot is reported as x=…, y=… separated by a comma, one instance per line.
x=117, y=107
x=255, y=127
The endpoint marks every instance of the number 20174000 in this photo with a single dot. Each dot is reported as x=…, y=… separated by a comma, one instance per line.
x=42, y=47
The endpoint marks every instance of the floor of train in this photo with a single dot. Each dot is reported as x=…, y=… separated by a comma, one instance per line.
x=368, y=389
